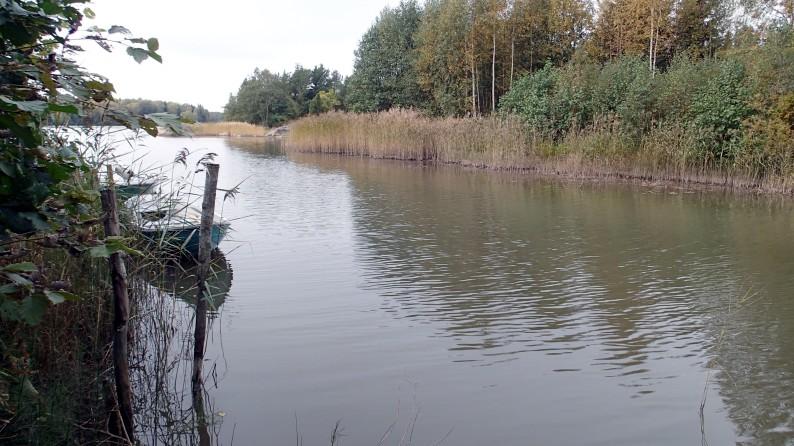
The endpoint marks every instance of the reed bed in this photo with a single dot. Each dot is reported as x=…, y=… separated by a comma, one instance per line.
x=240, y=129
x=665, y=155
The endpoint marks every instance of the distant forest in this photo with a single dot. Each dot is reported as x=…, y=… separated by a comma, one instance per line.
x=186, y=112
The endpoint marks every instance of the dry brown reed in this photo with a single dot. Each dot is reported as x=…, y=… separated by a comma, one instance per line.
x=226, y=129
x=666, y=155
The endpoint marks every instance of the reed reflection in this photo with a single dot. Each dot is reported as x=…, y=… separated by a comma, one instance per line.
x=168, y=411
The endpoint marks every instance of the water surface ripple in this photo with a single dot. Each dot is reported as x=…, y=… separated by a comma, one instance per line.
x=504, y=309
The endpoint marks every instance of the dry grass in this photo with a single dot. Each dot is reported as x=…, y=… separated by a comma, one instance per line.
x=227, y=129
x=407, y=135
x=666, y=155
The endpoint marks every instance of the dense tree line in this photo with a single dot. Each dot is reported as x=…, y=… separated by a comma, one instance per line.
x=139, y=107
x=457, y=57
x=186, y=112
x=270, y=99
x=718, y=74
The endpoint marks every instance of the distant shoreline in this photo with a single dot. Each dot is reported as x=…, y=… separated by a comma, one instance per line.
x=222, y=129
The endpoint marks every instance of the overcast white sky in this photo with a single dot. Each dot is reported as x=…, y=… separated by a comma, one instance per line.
x=209, y=47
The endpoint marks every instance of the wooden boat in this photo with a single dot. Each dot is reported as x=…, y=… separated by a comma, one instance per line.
x=129, y=190
x=172, y=225
x=128, y=184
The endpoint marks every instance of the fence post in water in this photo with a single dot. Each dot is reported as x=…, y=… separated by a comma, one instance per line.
x=205, y=248
x=121, y=310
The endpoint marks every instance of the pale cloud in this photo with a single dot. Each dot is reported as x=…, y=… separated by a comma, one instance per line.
x=209, y=47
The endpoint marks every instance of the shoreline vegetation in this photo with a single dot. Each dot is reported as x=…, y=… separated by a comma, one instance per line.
x=504, y=143
x=230, y=128
x=678, y=91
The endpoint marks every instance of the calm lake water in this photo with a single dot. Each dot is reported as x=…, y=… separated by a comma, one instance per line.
x=443, y=305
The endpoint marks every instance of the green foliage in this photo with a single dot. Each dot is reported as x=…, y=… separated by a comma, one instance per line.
x=624, y=90
x=264, y=98
x=531, y=98
x=573, y=99
x=442, y=72
x=48, y=195
x=49, y=215
x=325, y=101
x=384, y=75
x=719, y=109
x=713, y=98
x=271, y=99
x=554, y=101
x=38, y=80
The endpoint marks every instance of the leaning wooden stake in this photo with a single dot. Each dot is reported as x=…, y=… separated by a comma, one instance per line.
x=121, y=311
x=200, y=335
x=205, y=248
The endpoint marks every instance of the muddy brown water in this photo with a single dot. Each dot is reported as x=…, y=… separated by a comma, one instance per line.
x=430, y=305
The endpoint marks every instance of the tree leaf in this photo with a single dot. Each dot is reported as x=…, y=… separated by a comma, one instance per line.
x=88, y=12
x=139, y=54
x=63, y=108
x=167, y=120
x=54, y=297
x=49, y=82
x=112, y=245
x=23, y=267
x=104, y=45
x=27, y=134
x=101, y=86
x=118, y=29
x=19, y=280
x=33, y=308
x=26, y=106
x=7, y=169
x=155, y=56
x=57, y=297
x=148, y=125
x=49, y=7
x=28, y=390
x=9, y=288
x=153, y=44
x=99, y=251
x=117, y=244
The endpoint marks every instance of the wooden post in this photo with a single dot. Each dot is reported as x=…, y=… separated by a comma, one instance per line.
x=205, y=248
x=200, y=334
x=121, y=310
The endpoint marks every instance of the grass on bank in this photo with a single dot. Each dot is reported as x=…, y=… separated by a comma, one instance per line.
x=227, y=129
x=666, y=153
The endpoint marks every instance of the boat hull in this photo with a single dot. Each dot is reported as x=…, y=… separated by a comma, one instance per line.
x=185, y=240
x=125, y=191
